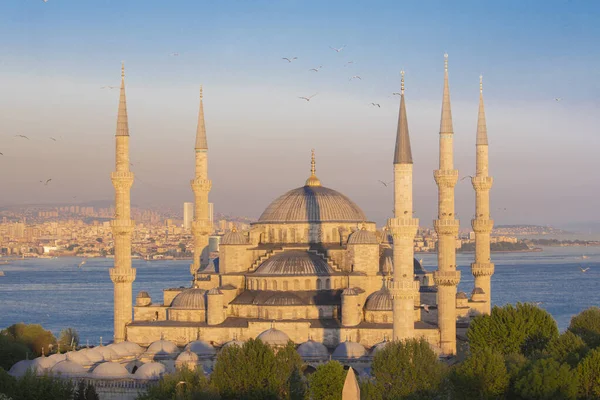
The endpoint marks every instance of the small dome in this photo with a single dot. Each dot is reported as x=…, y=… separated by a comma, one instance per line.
x=378, y=347
x=110, y=369
x=163, y=348
x=380, y=300
x=233, y=237
x=93, y=355
x=120, y=349
x=58, y=357
x=151, y=370
x=274, y=337
x=363, y=236
x=477, y=290
x=214, y=291
x=346, y=350
x=190, y=299
x=187, y=356
x=43, y=364
x=143, y=295
x=133, y=348
x=20, y=368
x=312, y=349
x=462, y=296
x=78, y=357
x=234, y=342
x=294, y=262
x=350, y=292
x=201, y=348
x=284, y=299
x=107, y=352
x=68, y=368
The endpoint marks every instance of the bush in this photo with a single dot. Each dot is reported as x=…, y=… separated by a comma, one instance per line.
x=589, y=375
x=183, y=384
x=327, y=382
x=11, y=352
x=482, y=375
x=525, y=329
x=32, y=387
x=33, y=336
x=407, y=368
x=68, y=338
x=547, y=379
x=568, y=348
x=586, y=325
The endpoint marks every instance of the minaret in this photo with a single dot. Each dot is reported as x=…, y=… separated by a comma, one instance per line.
x=201, y=226
x=446, y=226
x=482, y=225
x=122, y=274
x=403, y=228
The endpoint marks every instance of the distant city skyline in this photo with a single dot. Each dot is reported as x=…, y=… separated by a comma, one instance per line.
x=542, y=151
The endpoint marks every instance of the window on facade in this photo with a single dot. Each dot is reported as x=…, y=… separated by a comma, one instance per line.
x=328, y=284
x=318, y=284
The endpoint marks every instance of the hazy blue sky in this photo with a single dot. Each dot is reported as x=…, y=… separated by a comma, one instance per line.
x=55, y=56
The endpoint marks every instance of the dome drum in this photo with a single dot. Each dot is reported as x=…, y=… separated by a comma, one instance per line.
x=294, y=263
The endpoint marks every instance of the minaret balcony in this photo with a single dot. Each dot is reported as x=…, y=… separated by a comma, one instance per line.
x=403, y=227
x=122, y=226
x=482, y=183
x=446, y=278
x=125, y=275
x=446, y=177
x=482, y=225
x=122, y=180
x=482, y=269
x=446, y=226
x=201, y=185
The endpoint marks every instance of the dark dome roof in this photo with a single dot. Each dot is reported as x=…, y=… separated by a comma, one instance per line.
x=284, y=299
x=192, y=299
x=234, y=237
x=312, y=204
x=294, y=262
x=380, y=300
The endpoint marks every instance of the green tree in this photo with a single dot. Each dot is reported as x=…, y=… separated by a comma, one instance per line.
x=586, y=324
x=33, y=336
x=288, y=360
x=547, y=379
x=588, y=371
x=33, y=387
x=522, y=329
x=68, y=338
x=11, y=351
x=183, y=384
x=407, y=369
x=297, y=385
x=85, y=391
x=368, y=390
x=568, y=348
x=327, y=382
x=483, y=375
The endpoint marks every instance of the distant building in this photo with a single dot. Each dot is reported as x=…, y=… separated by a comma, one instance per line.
x=188, y=215
x=211, y=210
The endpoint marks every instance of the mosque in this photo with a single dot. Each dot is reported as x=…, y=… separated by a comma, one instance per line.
x=313, y=269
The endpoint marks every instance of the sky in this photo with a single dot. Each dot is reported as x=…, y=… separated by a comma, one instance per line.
x=55, y=56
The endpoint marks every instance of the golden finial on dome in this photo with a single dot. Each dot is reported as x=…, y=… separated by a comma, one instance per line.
x=233, y=229
x=312, y=179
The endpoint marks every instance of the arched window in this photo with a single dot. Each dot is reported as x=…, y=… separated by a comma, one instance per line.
x=318, y=284
x=307, y=284
x=285, y=285
x=327, y=283
x=296, y=284
x=274, y=285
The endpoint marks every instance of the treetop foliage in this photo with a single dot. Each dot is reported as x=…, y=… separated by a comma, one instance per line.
x=586, y=324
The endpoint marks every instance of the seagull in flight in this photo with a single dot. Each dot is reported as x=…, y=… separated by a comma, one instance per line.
x=537, y=303
x=47, y=182
x=557, y=99
x=396, y=94
x=465, y=177
x=81, y=264
x=109, y=87
x=316, y=69
x=308, y=98
x=51, y=138
x=376, y=104
x=355, y=77
x=425, y=307
x=348, y=63
x=337, y=50
x=1, y=154
x=289, y=59
x=174, y=54
x=22, y=136
x=384, y=183
x=584, y=269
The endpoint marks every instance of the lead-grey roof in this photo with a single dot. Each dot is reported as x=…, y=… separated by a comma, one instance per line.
x=312, y=204
x=380, y=300
x=403, y=153
x=296, y=263
x=284, y=299
x=308, y=297
x=192, y=299
x=363, y=236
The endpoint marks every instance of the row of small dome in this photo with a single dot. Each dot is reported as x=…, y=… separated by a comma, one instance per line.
x=361, y=236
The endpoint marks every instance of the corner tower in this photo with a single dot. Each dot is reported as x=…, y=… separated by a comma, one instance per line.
x=201, y=226
x=482, y=268
x=122, y=226
x=403, y=228
x=446, y=277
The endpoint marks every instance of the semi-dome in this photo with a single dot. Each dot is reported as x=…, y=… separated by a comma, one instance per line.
x=363, y=236
x=380, y=300
x=201, y=348
x=68, y=368
x=274, y=337
x=42, y=364
x=312, y=349
x=20, y=368
x=348, y=350
x=283, y=299
x=110, y=369
x=233, y=237
x=312, y=204
x=294, y=262
x=191, y=299
x=350, y=292
x=163, y=348
x=151, y=370
x=143, y=295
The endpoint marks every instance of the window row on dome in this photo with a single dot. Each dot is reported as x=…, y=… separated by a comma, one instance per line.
x=295, y=284
x=286, y=313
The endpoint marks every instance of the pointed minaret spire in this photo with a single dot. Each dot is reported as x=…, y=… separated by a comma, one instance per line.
x=201, y=143
x=446, y=122
x=403, y=154
x=481, y=125
x=122, y=124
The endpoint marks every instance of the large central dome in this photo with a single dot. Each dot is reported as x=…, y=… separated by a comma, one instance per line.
x=312, y=204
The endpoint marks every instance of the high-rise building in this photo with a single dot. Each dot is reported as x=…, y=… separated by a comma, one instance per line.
x=188, y=215
x=211, y=210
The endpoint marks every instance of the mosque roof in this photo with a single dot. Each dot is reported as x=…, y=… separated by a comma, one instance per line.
x=20, y=368
x=234, y=237
x=201, y=348
x=274, y=337
x=94, y=355
x=68, y=368
x=308, y=297
x=142, y=295
x=387, y=263
x=187, y=356
x=347, y=350
x=378, y=347
x=284, y=299
x=42, y=364
x=107, y=352
x=78, y=357
x=191, y=299
x=110, y=369
x=312, y=349
x=163, y=348
x=151, y=370
x=380, y=300
x=363, y=236
x=461, y=295
x=294, y=262
x=233, y=342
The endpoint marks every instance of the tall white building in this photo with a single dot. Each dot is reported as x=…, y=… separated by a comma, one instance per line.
x=188, y=215
x=211, y=211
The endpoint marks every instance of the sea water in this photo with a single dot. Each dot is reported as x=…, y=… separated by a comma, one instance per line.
x=58, y=294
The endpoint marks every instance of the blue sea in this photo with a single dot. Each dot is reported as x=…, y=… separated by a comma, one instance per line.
x=57, y=294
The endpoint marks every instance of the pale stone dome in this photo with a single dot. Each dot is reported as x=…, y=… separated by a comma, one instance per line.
x=120, y=349
x=274, y=337
x=163, y=348
x=284, y=299
x=312, y=349
x=58, y=357
x=133, y=348
x=312, y=204
x=20, y=368
x=380, y=300
x=378, y=347
x=93, y=355
x=110, y=369
x=68, y=368
x=294, y=262
x=143, y=299
x=201, y=348
x=78, y=357
x=143, y=295
x=233, y=237
x=107, y=352
x=151, y=370
x=191, y=299
x=461, y=296
x=363, y=236
x=43, y=364
x=346, y=350
x=234, y=342
x=187, y=356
